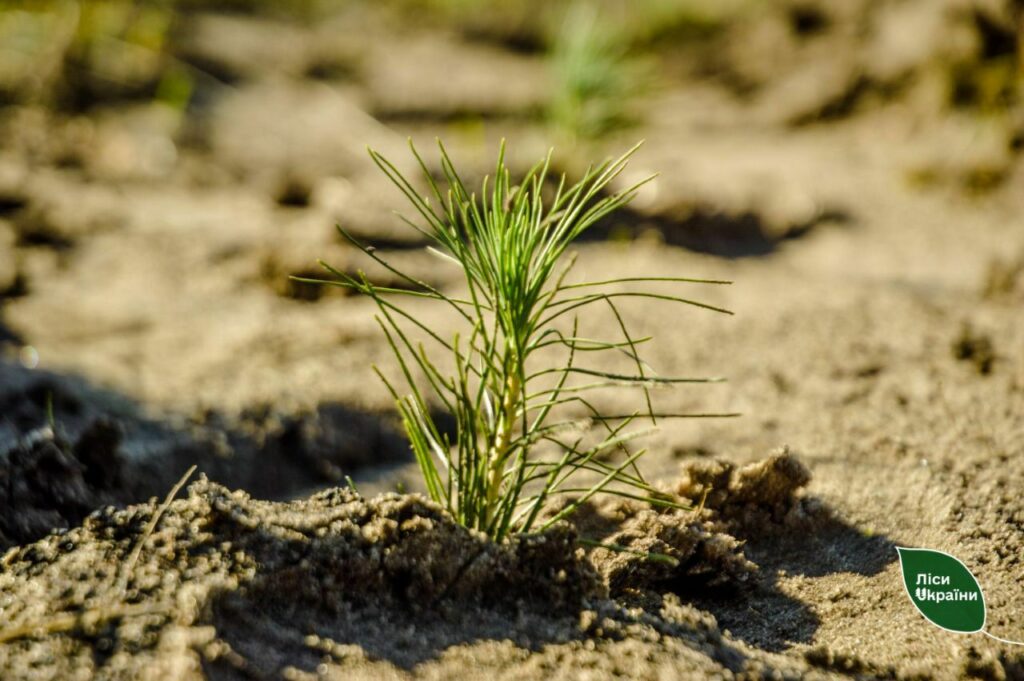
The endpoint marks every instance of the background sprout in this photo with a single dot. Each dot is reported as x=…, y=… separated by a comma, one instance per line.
x=594, y=78
x=510, y=244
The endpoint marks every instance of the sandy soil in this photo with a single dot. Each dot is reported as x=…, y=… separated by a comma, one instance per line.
x=825, y=157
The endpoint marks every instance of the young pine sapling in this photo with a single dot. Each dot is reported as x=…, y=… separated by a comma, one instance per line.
x=510, y=244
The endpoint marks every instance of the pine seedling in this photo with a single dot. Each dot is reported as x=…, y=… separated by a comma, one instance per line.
x=510, y=244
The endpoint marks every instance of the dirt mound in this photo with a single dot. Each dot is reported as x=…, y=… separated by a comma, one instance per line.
x=758, y=495
x=695, y=552
x=218, y=551
x=225, y=586
x=698, y=547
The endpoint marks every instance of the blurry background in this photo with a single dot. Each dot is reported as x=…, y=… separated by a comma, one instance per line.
x=855, y=165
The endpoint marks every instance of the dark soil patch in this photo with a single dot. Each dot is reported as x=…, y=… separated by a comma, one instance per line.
x=706, y=230
x=99, y=450
x=976, y=348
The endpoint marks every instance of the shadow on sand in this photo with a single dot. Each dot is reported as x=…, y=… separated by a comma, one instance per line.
x=103, y=448
x=767, y=617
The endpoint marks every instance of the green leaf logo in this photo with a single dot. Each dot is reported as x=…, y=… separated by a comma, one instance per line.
x=943, y=590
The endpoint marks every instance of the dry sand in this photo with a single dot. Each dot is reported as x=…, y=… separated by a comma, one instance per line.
x=870, y=214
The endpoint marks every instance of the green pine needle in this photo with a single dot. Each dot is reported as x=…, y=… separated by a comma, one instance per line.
x=510, y=244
